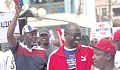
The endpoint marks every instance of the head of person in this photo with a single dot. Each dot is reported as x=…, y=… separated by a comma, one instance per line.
x=116, y=39
x=20, y=38
x=104, y=53
x=94, y=41
x=85, y=40
x=7, y=49
x=44, y=36
x=56, y=43
x=72, y=34
x=29, y=34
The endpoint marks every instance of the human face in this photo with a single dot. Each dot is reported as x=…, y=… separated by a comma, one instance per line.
x=44, y=39
x=72, y=37
x=99, y=58
x=117, y=44
x=30, y=38
x=94, y=42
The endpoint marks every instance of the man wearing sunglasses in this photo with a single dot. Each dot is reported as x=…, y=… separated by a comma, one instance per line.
x=72, y=55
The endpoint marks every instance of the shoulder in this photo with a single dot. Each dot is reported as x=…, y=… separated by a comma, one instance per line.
x=52, y=46
x=88, y=49
x=54, y=53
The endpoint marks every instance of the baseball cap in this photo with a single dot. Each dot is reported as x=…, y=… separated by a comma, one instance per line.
x=116, y=35
x=107, y=46
x=43, y=31
x=28, y=28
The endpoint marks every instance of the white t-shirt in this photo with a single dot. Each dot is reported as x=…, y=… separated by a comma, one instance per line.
x=9, y=61
x=2, y=64
x=117, y=59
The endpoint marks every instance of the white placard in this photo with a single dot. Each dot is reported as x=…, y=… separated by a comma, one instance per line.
x=102, y=29
x=5, y=20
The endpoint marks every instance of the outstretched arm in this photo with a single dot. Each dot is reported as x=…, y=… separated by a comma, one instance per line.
x=10, y=37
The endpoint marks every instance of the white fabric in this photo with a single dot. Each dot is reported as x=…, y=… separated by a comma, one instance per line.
x=2, y=64
x=9, y=62
x=5, y=20
x=117, y=59
x=69, y=49
x=34, y=47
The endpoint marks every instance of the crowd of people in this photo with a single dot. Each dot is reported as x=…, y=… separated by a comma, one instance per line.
x=32, y=52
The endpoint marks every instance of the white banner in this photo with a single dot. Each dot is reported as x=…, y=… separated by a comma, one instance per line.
x=5, y=19
x=52, y=37
x=102, y=29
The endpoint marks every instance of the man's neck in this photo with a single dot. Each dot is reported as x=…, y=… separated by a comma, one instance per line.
x=69, y=47
x=29, y=46
x=110, y=66
x=45, y=46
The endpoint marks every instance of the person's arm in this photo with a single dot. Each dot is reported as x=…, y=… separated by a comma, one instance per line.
x=10, y=37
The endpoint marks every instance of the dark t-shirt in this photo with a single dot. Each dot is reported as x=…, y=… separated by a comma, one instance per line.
x=50, y=49
x=26, y=59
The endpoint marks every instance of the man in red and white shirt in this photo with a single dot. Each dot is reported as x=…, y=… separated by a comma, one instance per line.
x=72, y=55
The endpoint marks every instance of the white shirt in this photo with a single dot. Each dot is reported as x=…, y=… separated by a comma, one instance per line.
x=8, y=61
x=117, y=59
x=2, y=64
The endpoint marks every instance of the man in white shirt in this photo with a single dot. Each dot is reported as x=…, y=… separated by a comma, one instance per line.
x=116, y=39
x=7, y=61
x=2, y=65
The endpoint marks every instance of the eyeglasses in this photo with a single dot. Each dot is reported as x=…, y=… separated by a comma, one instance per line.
x=74, y=34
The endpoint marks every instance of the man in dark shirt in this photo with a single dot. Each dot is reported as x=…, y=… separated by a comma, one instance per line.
x=44, y=39
x=27, y=55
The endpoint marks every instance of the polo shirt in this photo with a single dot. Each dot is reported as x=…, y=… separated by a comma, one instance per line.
x=29, y=59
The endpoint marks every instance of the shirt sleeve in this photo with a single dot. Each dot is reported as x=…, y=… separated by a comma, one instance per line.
x=14, y=50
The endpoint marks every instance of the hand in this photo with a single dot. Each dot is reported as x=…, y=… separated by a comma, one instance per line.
x=18, y=9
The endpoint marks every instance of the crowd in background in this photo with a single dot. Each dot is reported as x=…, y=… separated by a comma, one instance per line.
x=31, y=52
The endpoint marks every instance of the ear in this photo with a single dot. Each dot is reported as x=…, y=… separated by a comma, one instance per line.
x=108, y=56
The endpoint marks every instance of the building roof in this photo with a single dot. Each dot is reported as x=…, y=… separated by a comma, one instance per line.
x=106, y=2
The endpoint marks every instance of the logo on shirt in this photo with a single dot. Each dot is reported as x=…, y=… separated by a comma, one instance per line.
x=83, y=58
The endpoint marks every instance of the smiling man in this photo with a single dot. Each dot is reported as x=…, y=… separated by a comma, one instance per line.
x=27, y=55
x=44, y=37
x=72, y=55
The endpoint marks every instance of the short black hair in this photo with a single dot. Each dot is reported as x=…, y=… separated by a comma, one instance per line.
x=69, y=26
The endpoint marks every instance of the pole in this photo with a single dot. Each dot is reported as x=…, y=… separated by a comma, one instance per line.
x=111, y=23
x=109, y=10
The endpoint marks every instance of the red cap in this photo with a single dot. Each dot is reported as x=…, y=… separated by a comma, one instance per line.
x=116, y=35
x=107, y=46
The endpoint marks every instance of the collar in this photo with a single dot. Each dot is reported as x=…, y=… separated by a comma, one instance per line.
x=34, y=47
x=60, y=51
x=69, y=49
